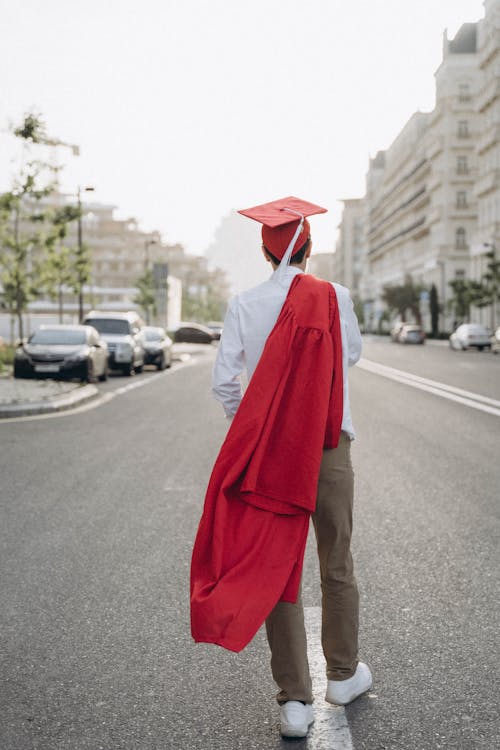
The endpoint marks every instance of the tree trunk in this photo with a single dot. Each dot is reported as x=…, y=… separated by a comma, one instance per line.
x=60, y=301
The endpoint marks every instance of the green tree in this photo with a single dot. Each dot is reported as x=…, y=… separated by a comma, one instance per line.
x=404, y=297
x=146, y=294
x=21, y=219
x=59, y=269
x=491, y=285
x=434, y=310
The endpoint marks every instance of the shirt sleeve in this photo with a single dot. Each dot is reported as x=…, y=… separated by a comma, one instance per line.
x=229, y=363
x=350, y=324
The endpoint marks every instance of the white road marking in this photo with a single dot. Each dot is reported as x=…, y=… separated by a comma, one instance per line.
x=104, y=399
x=450, y=392
x=330, y=730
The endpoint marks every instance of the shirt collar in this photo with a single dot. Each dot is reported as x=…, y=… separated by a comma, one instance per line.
x=288, y=273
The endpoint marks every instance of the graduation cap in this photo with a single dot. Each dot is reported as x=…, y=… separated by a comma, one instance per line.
x=285, y=228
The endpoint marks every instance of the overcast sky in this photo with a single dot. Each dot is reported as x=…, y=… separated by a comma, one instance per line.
x=186, y=109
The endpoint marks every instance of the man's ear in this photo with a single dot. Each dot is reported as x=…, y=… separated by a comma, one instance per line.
x=265, y=254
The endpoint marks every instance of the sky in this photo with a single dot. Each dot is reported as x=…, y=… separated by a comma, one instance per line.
x=185, y=110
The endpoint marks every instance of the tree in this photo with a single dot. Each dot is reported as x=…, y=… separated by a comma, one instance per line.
x=434, y=309
x=465, y=293
x=21, y=219
x=404, y=297
x=146, y=296
x=58, y=269
x=491, y=285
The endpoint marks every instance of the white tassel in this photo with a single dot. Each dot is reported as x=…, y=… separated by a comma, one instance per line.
x=285, y=261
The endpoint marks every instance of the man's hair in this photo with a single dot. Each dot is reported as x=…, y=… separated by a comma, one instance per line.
x=297, y=257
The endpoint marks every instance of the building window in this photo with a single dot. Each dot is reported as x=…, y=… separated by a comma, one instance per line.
x=462, y=167
x=464, y=92
x=460, y=239
x=463, y=129
x=461, y=199
x=460, y=273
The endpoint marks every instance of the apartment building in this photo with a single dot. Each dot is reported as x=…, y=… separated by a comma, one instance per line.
x=487, y=186
x=420, y=209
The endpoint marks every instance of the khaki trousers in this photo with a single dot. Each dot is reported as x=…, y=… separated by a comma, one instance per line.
x=340, y=601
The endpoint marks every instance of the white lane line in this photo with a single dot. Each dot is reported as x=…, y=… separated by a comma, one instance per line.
x=100, y=400
x=450, y=392
x=330, y=730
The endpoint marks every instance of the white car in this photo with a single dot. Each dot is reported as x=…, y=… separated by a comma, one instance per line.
x=470, y=335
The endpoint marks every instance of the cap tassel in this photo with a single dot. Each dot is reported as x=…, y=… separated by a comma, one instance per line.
x=285, y=261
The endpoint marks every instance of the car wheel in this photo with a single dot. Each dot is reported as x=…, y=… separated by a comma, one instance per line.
x=161, y=364
x=20, y=373
x=139, y=368
x=105, y=373
x=128, y=369
x=89, y=375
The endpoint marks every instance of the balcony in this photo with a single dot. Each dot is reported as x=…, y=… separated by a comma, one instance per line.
x=488, y=94
x=490, y=48
x=489, y=138
x=487, y=182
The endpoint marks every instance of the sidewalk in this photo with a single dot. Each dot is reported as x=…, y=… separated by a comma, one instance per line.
x=20, y=398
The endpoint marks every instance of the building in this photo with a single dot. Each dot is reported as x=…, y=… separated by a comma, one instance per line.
x=420, y=208
x=120, y=252
x=487, y=185
x=349, y=250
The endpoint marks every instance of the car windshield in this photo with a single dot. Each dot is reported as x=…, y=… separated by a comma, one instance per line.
x=110, y=325
x=153, y=335
x=61, y=336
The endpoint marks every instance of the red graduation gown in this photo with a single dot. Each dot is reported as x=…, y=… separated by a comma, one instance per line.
x=250, y=544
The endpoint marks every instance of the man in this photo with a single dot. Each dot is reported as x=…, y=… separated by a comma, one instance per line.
x=251, y=317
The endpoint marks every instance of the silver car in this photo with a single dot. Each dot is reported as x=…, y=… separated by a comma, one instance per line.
x=123, y=335
x=470, y=335
x=157, y=347
x=63, y=351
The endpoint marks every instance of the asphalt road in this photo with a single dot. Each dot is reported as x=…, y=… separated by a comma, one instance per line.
x=98, y=515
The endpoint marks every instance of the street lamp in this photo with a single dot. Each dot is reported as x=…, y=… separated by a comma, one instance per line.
x=147, y=243
x=80, y=270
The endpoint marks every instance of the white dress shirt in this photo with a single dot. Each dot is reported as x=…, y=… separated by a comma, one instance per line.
x=249, y=321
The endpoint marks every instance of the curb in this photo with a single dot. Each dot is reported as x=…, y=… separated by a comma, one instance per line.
x=57, y=403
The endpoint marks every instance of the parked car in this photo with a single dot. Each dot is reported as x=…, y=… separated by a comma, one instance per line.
x=216, y=327
x=495, y=342
x=193, y=333
x=123, y=335
x=64, y=351
x=412, y=334
x=469, y=335
x=396, y=330
x=157, y=347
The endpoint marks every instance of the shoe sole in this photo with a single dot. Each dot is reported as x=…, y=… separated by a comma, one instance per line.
x=291, y=733
x=349, y=699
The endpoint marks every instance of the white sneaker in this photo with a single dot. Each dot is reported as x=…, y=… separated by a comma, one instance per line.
x=295, y=719
x=342, y=692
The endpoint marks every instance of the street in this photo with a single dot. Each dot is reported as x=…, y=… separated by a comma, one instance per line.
x=99, y=512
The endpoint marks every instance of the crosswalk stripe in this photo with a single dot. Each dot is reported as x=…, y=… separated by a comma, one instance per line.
x=330, y=730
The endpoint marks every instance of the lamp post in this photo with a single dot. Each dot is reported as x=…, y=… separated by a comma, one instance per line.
x=147, y=244
x=81, y=275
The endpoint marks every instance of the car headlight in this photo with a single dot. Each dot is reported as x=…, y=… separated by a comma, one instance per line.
x=78, y=356
x=125, y=348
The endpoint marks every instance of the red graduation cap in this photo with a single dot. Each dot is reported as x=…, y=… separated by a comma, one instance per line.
x=280, y=220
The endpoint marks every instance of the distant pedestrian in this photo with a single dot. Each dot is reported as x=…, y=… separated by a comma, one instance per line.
x=286, y=459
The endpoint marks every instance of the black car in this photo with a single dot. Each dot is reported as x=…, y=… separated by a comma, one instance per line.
x=63, y=351
x=157, y=347
x=193, y=333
